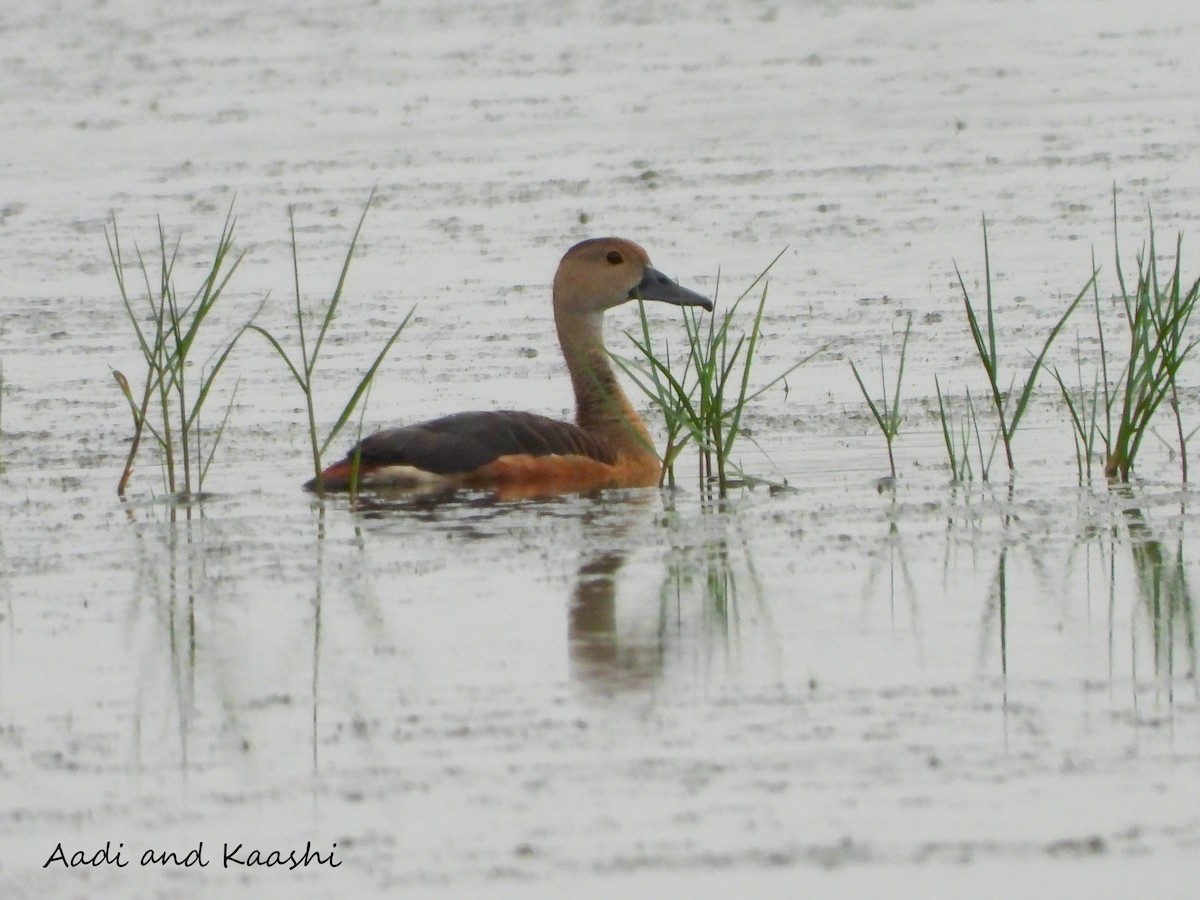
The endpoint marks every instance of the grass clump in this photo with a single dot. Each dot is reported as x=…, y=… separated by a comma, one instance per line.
x=1119, y=412
x=167, y=330
x=887, y=415
x=704, y=398
x=1157, y=315
x=1008, y=417
x=958, y=437
x=303, y=368
x=1083, y=406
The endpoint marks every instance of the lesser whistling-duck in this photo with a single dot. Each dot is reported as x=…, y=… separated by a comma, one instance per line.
x=522, y=453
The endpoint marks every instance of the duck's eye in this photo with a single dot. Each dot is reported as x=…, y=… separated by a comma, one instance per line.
x=614, y=257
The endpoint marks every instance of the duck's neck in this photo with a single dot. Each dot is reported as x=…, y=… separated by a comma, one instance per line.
x=601, y=407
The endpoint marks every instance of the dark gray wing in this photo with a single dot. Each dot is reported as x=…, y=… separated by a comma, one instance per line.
x=463, y=442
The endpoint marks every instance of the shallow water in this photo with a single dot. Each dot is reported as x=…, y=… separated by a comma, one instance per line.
x=829, y=690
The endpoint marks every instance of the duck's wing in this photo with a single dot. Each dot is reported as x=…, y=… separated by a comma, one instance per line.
x=461, y=443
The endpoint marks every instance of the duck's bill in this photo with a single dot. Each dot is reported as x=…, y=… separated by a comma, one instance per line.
x=657, y=286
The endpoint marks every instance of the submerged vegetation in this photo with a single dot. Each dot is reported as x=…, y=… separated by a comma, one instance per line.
x=703, y=391
x=1113, y=412
x=704, y=398
x=302, y=369
x=887, y=415
x=1157, y=316
x=168, y=331
x=1008, y=417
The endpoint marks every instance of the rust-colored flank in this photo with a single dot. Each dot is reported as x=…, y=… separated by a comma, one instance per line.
x=520, y=454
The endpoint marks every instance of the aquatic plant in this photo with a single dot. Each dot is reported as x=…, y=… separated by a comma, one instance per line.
x=984, y=337
x=167, y=331
x=704, y=402
x=1083, y=405
x=302, y=370
x=958, y=437
x=950, y=437
x=888, y=418
x=1157, y=315
x=956, y=440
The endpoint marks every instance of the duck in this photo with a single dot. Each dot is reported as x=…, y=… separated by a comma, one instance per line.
x=524, y=454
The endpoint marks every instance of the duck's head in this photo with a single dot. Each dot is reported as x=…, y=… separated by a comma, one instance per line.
x=601, y=273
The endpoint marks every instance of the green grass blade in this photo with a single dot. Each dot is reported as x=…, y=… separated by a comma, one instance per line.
x=206, y=382
x=754, y=395
x=987, y=280
x=283, y=354
x=879, y=420
x=981, y=345
x=220, y=432
x=331, y=310
x=364, y=383
x=951, y=455
x=1023, y=402
x=895, y=412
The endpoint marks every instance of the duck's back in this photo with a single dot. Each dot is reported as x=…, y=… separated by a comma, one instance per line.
x=464, y=442
x=459, y=445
